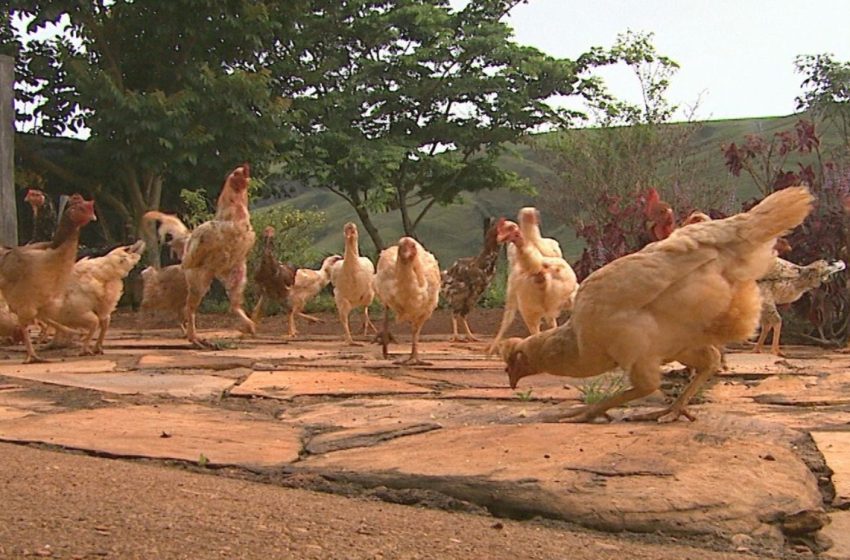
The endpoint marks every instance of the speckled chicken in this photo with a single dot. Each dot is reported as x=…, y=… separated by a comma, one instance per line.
x=43, y=216
x=786, y=283
x=217, y=248
x=468, y=278
x=273, y=278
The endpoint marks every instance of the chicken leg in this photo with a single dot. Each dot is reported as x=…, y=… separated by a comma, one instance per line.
x=645, y=378
x=706, y=361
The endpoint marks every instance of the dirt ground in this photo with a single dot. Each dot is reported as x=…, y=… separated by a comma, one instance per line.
x=107, y=457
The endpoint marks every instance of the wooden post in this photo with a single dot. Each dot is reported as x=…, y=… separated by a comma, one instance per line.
x=8, y=209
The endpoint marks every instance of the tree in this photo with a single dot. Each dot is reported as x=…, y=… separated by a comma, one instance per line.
x=827, y=92
x=173, y=94
x=406, y=104
x=792, y=157
x=603, y=172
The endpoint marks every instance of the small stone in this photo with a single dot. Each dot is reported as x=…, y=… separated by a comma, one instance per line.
x=741, y=540
x=497, y=525
x=804, y=522
x=769, y=457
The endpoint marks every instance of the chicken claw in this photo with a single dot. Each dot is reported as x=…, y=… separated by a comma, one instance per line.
x=36, y=359
x=410, y=361
x=577, y=415
x=663, y=416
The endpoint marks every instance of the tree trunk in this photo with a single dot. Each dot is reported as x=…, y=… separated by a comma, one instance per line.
x=371, y=229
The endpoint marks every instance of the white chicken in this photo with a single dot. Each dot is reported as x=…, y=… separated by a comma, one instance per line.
x=353, y=279
x=308, y=283
x=93, y=292
x=540, y=287
x=408, y=283
x=529, y=226
x=528, y=218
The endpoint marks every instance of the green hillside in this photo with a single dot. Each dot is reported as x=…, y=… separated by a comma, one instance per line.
x=455, y=231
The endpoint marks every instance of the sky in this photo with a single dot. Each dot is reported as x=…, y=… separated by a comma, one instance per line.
x=736, y=56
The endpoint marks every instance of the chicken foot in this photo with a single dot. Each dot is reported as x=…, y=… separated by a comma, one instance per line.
x=645, y=378
x=706, y=361
x=32, y=357
x=469, y=336
x=413, y=359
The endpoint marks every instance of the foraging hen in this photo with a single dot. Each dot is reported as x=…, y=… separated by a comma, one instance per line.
x=676, y=299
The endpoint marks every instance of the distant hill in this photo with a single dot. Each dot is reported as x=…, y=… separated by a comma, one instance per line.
x=455, y=231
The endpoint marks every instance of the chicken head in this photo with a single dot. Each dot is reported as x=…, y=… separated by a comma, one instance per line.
x=80, y=211
x=35, y=198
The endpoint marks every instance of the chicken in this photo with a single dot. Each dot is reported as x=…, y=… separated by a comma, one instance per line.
x=165, y=289
x=217, y=248
x=308, y=283
x=662, y=222
x=529, y=228
x=272, y=278
x=33, y=276
x=468, y=278
x=43, y=216
x=10, y=331
x=353, y=279
x=786, y=282
x=93, y=292
x=408, y=283
x=677, y=299
x=529, y=224
x=541, y=287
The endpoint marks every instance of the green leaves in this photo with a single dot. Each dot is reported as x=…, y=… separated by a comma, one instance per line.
x=404, y=104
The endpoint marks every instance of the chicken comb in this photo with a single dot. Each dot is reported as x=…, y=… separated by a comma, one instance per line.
x=652, y=199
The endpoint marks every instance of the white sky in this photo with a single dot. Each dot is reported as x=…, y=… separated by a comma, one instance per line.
x=737, y=55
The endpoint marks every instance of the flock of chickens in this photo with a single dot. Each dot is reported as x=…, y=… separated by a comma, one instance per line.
x=695, y=288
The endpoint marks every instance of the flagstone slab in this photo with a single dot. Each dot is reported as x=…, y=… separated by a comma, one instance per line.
x=503, y=393
x=750, y=363
x=141, y=383
x=676, y=479
x=365, y=437
x=481, y=379
x=389, y=413
x=192, y=360
x=838, y=531
x=283, y=351
x=289, y=384
x=182, y=432
x=835, y=447
x=15, y=402
x=827, y=389
x=33, y=371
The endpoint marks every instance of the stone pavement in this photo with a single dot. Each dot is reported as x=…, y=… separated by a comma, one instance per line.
x=765, y=467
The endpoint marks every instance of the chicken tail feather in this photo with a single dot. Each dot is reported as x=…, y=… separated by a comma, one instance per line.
x=169, y=225
x=778, y=213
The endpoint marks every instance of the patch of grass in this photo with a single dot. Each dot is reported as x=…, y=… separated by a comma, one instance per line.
x=602, y=387
x=223, y=343
x=524, y=396
x=203, y=461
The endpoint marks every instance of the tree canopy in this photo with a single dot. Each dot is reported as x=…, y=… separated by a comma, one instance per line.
x=401, y=105
x=172, y=93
